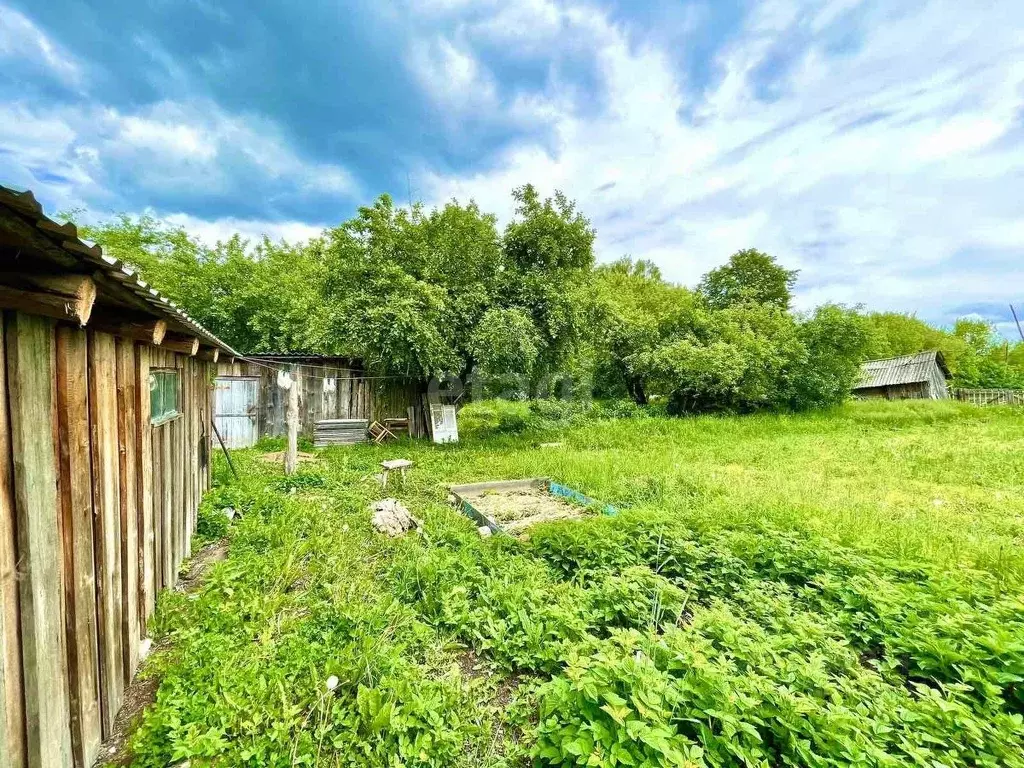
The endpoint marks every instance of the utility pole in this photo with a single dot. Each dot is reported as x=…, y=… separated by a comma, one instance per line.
x=1017, y=322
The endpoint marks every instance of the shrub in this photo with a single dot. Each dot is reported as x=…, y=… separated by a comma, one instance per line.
x=211, y=524
x=496, y=417
x=622, y=409
x=557, y=413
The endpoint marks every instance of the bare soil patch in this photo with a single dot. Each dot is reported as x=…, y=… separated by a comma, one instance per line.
x=516, y=510
x=201, y=562
x=137, y=697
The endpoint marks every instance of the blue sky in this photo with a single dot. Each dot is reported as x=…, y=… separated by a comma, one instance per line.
x=876, y=146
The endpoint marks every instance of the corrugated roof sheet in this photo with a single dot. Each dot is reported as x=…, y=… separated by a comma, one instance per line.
x=65, y=236
x=908, y=369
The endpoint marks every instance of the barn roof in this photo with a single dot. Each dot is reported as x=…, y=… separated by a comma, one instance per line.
x=57, y=246
x=906, y=369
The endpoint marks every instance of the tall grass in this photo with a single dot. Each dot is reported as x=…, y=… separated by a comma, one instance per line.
x=939, y=481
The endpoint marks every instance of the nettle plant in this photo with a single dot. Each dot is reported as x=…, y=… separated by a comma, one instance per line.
x=668, y=646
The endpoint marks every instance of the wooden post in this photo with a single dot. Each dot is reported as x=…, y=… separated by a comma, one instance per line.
x=144, y=473
x=128, y=497
x=12, y=714
x=292, y=420
x=79, y=553
x=30, y=351
x=103, y=418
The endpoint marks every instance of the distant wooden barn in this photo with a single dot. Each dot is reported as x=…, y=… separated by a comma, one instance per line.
x=922, y=377
x=105, y=425
x=250, y=404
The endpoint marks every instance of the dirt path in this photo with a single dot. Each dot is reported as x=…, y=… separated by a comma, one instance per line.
x=141, y=693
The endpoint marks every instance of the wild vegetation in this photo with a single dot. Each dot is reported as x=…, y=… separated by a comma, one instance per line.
x=424, y=293
x=834, y=588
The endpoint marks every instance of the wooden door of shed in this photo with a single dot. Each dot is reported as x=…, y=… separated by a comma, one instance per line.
x=235, y=410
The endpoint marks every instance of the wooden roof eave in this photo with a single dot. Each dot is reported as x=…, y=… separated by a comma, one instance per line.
x=58, y=247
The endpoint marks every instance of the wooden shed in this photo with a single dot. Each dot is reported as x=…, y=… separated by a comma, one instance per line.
x=104, y=455
x=251, y=405
x=922, y=377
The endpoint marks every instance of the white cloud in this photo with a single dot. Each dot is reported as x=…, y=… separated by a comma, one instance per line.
x=874, y=170
x=169, y=146
x=455, y=81
x=20, y=39
x=213, y=231
x=175, y=141
x=200, y=142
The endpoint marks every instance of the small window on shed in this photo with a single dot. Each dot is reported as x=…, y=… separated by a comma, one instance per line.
x=163, y=395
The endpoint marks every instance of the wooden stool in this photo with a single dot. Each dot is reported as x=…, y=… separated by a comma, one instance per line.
x=400, y=464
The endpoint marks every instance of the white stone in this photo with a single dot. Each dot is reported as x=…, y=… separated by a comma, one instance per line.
x=392, y=518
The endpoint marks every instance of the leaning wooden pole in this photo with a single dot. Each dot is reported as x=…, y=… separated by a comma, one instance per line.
x=1021, y=332
x=291, y=456
x=231, y=464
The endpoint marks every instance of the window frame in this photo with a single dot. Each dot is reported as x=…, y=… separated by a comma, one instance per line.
x=161, y=375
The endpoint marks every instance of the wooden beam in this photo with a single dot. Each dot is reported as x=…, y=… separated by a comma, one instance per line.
x=179, y=342
x=144, y=474
x=128, y=497
x=210, y=354
x=20, y=234
x=113, y=287
x=150, y=330
x=65, y=297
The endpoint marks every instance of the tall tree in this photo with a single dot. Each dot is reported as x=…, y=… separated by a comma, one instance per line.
x=749, y=276
x=636, y=311
x=406, y=289
x=549, y=254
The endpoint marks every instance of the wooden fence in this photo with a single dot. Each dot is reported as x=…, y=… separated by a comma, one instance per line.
x=990, y=396
x=97, y=509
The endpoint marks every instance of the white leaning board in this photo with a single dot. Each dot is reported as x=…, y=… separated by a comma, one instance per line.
x=446, y=430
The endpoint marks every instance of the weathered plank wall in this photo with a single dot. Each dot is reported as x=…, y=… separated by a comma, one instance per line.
x=326, y=391
x=97, y=509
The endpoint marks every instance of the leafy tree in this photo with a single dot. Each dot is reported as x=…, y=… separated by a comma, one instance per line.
x=733, y=360
x=749, y=276
x=548, y=250
x=893, y=333
x=257, y=299
x=421, y=293
x=505, y=341
x=636, y=310
x=379, y=298
x=835, y=340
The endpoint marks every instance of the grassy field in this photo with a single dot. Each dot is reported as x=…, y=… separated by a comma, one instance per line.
x=829, y=589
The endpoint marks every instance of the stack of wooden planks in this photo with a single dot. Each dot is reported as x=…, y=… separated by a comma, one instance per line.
x=339, y=432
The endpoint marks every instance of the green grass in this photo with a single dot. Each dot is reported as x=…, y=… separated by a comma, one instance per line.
x=824, y=589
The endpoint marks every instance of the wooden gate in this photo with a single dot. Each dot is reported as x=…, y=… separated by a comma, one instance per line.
x=235, y=411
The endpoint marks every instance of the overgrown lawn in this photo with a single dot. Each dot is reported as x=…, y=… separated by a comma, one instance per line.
x=829, y=589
